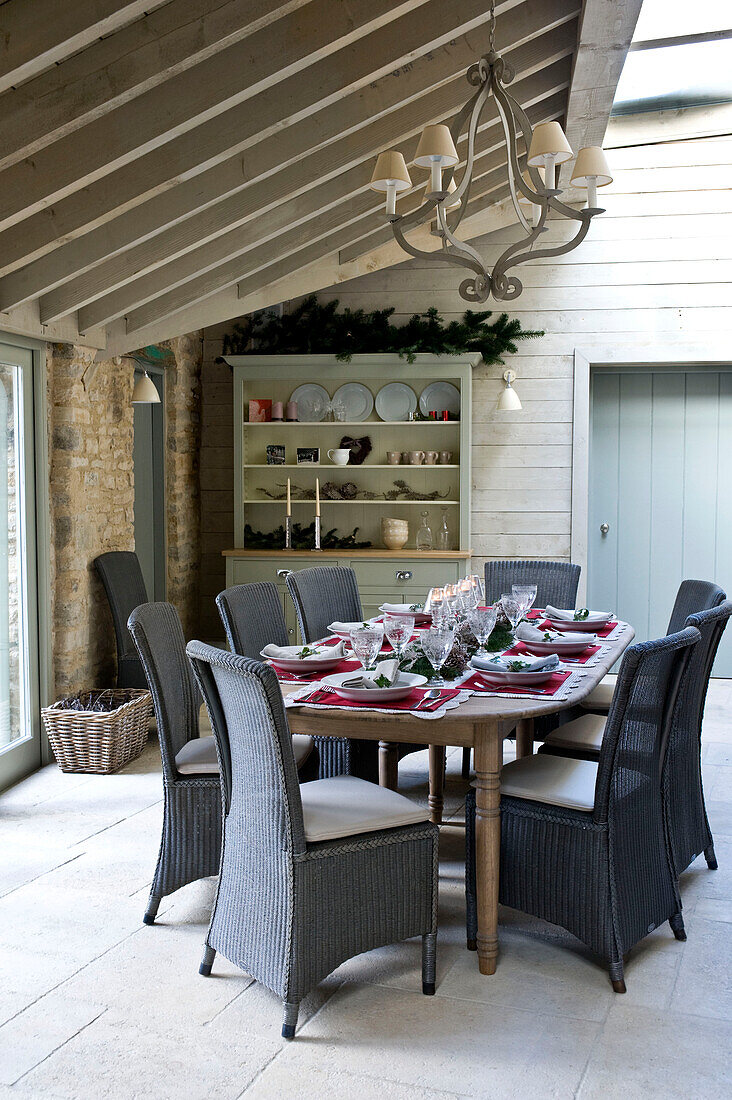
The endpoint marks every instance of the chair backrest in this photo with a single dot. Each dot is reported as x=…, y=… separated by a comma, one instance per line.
x=682, y=760
x=693, y=596
x=121, y=575
x=556, y=581
x=158, y=635
x=253, y=617
x=321, y=596
x=628, y=790
x=262, y=791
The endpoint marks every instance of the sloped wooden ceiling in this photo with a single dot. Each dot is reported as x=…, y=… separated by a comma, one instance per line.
x=168, y=165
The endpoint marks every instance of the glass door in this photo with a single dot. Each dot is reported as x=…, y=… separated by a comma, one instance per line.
x=19, y=672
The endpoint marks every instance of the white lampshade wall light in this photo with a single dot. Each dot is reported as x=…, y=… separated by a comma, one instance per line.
x=531, y=182
x=145, y=391
x=509, y=399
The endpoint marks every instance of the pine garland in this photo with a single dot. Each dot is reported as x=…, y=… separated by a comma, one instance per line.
x=317, y=328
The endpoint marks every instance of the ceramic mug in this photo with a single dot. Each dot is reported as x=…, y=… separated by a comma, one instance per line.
x=405, y=458
x=445, y=458
x=416, y=458
x=340, y=455
x=393, y=457
x=431, y=457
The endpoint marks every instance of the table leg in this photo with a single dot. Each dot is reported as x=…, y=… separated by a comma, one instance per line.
x=488, y=760
x=524, y=737
x=435, y=800
x=388, y=765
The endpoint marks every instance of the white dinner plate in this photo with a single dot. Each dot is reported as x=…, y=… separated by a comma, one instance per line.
x=516, y=679
x=407, y=682
x=312, y=401
x=559, y=646
x=356, y=399
x=303, y=665
x=404, y=609
x=438, y=396
x=582, y=627
x=396, y=401
x=343, y=630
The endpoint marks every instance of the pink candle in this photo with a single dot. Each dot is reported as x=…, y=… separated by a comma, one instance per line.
x=292, y=410
x=277, y=413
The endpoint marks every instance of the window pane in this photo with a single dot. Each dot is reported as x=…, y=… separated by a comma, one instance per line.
x=12, y=657
x=669, y=18
x=675, y=75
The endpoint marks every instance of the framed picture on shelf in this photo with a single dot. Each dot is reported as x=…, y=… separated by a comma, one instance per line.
x=308, y=456
x=275, y=454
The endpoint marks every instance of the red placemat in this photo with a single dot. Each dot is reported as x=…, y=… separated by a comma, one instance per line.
x=333, y=699
x=548, y=688
x=520, y=650
x=306, y=677
x=601, y=631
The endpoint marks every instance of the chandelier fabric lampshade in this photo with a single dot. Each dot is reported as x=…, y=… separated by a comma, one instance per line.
x=549, y=140
x=391, y=175
x=591, y=161
x=145, y=391
x=436, y=150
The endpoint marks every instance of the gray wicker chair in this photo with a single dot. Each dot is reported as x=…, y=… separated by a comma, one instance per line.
x=583, y=843
x=190, y=846
x=307, y=878
x=121, y=575
x=556, y=581
x=321, y=596
x=692, y=596
x=252, y=616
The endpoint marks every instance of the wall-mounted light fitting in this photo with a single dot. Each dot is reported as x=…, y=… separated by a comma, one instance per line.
x=509, y=399
x=145, y=391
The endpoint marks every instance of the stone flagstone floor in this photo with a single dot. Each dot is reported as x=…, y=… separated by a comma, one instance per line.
x=93, y=1004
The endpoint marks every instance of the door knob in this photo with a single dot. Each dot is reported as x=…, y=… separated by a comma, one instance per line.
x=604, y=528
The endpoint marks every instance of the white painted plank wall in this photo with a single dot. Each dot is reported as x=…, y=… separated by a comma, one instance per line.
x=652, y=282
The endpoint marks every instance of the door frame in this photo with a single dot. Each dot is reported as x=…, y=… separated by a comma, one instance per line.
x=584, y=368
x=41, y=648
x=160, y=491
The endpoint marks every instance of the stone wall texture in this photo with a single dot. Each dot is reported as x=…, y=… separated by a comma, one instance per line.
x=91, y=435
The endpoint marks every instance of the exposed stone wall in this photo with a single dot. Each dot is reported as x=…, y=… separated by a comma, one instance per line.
x=92, y=505
x=183, y=406
x=91, y=435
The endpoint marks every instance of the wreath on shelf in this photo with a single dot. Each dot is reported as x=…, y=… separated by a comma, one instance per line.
x=315, y=327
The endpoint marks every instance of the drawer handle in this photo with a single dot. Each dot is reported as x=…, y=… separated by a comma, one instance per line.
x=403, y=574
x=283, y=572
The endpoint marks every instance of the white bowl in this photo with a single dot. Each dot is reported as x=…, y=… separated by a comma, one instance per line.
x=304, y=665
x=344, y=630
x=581, y=625
x=558, y=646
x=407, y=682
x=419, y=616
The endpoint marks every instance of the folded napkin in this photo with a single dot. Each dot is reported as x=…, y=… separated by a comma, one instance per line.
x=568, y=615
x=313, y=652
x=501, y=664
x=389, y=669
x=348, y=627
x=526, y=633
x=401, y=608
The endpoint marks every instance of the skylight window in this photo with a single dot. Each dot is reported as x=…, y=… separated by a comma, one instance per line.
x=681, y=56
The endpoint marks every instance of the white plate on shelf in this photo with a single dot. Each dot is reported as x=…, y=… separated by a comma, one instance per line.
x=356, y=399
x=407, y=682
x=438, y=396
x=396, y=401
x=312, y=401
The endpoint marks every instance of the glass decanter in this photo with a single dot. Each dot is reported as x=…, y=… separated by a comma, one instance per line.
x=424, y=534
x=444, y=538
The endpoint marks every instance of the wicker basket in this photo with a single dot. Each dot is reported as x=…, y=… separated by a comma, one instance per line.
x=100, y=742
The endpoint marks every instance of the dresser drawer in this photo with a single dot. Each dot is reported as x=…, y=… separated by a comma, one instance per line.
x=406, y=573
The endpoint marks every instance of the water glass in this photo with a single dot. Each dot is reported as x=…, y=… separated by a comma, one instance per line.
x=436, y=645
x=481, y=621
x=511, y=609
x=465, y=589
x=525, y=594
x=477, y=585
x=453, y=600
x=366, y=642
x=398, y=630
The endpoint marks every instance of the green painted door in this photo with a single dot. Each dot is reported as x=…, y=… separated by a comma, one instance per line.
x=661, y=480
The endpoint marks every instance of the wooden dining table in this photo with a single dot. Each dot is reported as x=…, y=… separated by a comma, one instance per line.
x=481, y=722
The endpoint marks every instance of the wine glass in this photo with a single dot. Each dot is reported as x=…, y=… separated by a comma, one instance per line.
x=437, y=643
x=366, y=642
x=437, y=604
x=398, y=630
x=511, y=609
x=452, y=598
x=482, y=620
x=525, y=594
x=465, y=589
x=477, y=584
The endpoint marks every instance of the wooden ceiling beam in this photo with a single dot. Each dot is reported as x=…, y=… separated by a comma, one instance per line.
x=36, y=34
x=252, y=215
x=222, y=142
x=125, y=64
x=224, y=260
x=306, y=39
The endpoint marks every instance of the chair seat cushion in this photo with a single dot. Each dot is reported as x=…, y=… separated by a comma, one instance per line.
x=198, y=757
x=344, y=805
x=601, y=697
x=557, y=780
x=584, y=733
